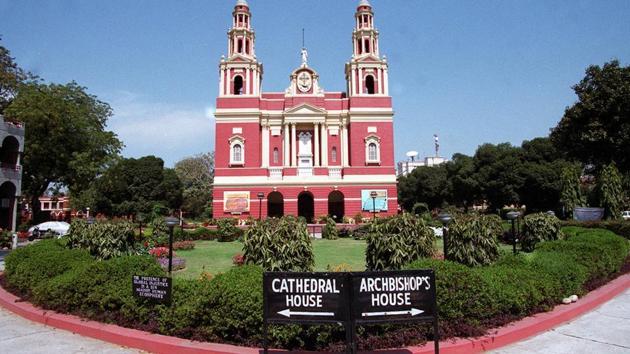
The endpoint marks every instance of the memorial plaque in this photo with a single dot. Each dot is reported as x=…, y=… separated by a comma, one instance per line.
x=305, y=297
x=393, y=296
x=152, y=288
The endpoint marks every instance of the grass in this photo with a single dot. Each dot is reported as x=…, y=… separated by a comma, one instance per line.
x=216, y=257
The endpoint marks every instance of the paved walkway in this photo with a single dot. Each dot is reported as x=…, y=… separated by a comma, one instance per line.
x=603, y=330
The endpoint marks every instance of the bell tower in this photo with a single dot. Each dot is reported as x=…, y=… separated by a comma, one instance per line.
x=240, y=73
x=366, y=73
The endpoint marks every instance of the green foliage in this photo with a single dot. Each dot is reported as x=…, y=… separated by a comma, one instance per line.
x=279, y=245
x=396, y=241
x=596, y=129
x=159, y=231
x=196, y=174
x=102, y=240
x=538, y=228
x=11, y=78
x=423, y=184
x=68, y=123
x=420, y=208
x=571, y=196
x=329, y=231
x=6, y=239
x=136, y=186
x=610, y=191
x=29, y=266
x=472, y=239
x=619, y=227
x=227, y=230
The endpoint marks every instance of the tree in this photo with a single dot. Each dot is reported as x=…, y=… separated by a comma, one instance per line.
x=424, y=184
x=571, y=195
x=596, y=129
x=11, y=78
x=66, y=141
x=610, y=191
x=496, y=169
x=197, y=175
x=134, y=186
x=463, y=187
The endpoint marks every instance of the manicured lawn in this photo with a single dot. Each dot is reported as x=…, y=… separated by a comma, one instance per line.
x=216, y=257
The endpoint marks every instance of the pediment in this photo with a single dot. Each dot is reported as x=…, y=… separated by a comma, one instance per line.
x=305, y=109
x=236, y=57
x=369, y=58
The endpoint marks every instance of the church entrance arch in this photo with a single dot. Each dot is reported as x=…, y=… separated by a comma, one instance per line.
x=336, y=206
x=275, y=205
x=306, y=206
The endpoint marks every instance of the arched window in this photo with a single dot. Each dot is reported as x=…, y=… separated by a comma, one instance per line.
x=333, y=154
x=237, y=150
x=276, y=155
x=239, y=44
x=369, y=84
x=237, y=153
x=246, y=46
x=366, y=45
x=238, y=85
x=372, y=150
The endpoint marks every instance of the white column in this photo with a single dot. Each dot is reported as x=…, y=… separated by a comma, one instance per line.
x=285, y=151
x=246, y=91
x=344, y=142
x=386, y=82
x=221, y=81
x=324, y=145
x=316, y=131
x=265, y=146
x=353, y=82
x=14, y=214
x=293, y=151
x=360, y=81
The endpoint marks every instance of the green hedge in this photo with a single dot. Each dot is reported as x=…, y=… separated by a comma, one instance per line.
x=619, y=227
x=228, y=308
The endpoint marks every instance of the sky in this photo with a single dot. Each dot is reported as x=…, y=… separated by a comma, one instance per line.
x=472, y=72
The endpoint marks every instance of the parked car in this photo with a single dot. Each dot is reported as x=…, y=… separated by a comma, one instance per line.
x=59, y=228
x=625, y=215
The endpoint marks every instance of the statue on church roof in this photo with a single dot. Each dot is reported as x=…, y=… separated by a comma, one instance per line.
x=304, y=54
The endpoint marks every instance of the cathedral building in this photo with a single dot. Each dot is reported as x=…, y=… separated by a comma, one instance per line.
x=304, y=151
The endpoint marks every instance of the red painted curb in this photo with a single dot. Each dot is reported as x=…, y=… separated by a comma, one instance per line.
x=157, y=343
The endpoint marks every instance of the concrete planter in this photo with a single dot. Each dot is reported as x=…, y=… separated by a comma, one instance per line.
x=588, y=214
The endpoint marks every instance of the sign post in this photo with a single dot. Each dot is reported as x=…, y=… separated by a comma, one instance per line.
x=157, y=289
x=350, y=299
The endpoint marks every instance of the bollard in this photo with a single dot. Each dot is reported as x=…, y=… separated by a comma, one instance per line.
x=14, y=242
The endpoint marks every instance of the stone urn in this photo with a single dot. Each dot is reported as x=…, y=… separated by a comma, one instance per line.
x=588, y=214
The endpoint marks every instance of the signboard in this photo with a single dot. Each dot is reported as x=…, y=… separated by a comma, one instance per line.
x=393, y=296
x=153, y=288
x=235, y=202
x=305, y=297
x=378, y=204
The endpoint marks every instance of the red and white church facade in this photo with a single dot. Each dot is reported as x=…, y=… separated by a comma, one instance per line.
x=305, y=151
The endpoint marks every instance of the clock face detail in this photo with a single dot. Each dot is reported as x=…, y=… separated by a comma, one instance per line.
x=304, y=82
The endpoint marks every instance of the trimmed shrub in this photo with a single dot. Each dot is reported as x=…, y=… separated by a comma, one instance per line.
x=472, y=240
x=279, y=245
x=29, y=266
x=102, y=240
x=329, y=231
x=396, y=241
x=537, y=228
x=183, y=245
x=420, y=208
x=6, y=239
x=227, y=230
x=619, y=227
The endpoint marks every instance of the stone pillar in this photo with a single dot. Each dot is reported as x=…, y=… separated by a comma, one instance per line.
x=265, y=146
x=286, y=151
x=324, y=145
x=316, y=137
x=222, y=82
x=385, y=82
x=344, y=143
x=293, y=150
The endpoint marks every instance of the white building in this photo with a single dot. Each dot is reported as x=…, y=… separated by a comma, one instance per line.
x=12, y=137
x=405, y=167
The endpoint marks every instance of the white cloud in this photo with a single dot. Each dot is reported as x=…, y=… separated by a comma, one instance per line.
x=162, y=129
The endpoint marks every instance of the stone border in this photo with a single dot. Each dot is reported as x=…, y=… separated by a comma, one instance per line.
x=157, y=343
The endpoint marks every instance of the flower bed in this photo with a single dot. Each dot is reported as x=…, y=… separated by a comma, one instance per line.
x=228, y=308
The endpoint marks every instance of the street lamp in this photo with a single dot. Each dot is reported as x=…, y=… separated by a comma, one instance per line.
x=445, y=218
x=373, y=194
x=171, y=222
x=140, y=219
x=513, y=215
x=88, y=212
x=261, y=195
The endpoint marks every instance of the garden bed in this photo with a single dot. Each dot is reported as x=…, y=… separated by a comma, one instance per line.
x=228, y=308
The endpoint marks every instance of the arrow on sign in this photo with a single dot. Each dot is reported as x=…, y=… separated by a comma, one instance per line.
x=411, y=312
x=288, y=313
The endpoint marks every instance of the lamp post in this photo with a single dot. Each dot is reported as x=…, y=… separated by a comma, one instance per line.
x=88, y=212
x=373, y=195
x=445, y=218
x=140, y=219
x=261, y=195
x=513, y=215
x=171, y=222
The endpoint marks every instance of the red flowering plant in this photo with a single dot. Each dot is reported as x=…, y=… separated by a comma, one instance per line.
x=238, y=259
x=159, y=252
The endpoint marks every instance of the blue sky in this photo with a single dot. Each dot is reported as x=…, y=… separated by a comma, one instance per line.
x=470, y=71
